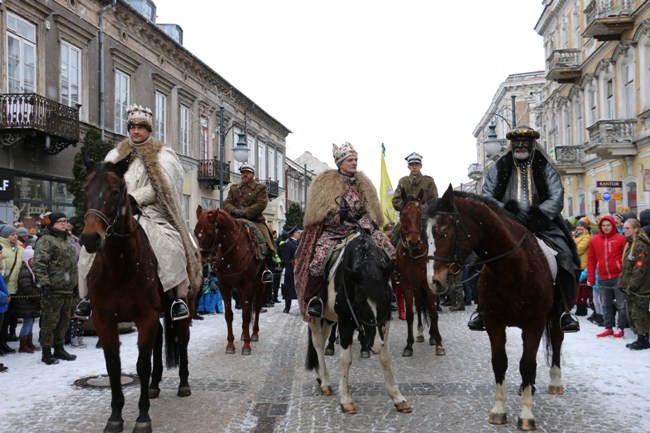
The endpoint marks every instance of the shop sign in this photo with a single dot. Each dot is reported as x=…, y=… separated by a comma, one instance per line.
x=7, y=183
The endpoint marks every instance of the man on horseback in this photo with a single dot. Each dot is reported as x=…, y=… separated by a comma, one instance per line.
x=154, y=182
x=247, y=200
x=326, y=223
x=414, y=183
x=525, y=175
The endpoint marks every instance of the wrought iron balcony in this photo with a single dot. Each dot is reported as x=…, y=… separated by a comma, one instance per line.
x=475, y=171
x=273, y=187
x=569, y=160
x=563, y=66
x=208, y=174
x=607, y=20
x=611, y=139
x=28, y=117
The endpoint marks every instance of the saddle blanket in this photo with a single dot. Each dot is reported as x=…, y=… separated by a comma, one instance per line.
x=550, y=254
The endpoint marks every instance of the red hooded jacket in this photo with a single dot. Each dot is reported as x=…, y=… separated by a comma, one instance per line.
x=605, y=253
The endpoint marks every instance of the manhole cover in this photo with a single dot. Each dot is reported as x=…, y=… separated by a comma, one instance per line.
x=102, y=381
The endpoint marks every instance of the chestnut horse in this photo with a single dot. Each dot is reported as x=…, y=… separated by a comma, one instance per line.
x=515, y=287
x=232, y=249
x=123, y=286
x=411, y=264
x=358, y=298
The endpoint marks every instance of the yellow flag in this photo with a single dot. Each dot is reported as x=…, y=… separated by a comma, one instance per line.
x=386, y=189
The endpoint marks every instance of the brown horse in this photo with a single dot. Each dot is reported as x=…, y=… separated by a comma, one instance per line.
x=232, y=248
x=411, y=263
x=515, y=287
x=123, y=286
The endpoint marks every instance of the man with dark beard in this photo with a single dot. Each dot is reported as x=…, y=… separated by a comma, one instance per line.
x=529, y=186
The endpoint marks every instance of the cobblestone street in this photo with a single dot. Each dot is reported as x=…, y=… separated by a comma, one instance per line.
x=270, y=391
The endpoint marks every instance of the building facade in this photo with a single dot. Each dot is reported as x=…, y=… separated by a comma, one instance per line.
x=75, y=65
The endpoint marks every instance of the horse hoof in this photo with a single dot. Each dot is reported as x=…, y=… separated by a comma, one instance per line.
x=404, y=407
x=114, y=426
x=349, y=408
x=407, y=353
x=419, y=339
x=556, y=389
x=498, y=418
x=326, y=390
x=184, y=391
x=255, y=337
x=230, y=350
x=440, y=351
x=245, y=351
x=154, y=392
x=142, y=427
x=526, y=424
x=365, y=354
x=329, y=352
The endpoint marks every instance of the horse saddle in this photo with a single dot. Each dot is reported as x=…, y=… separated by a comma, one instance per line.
x=335, y=255
x=262, y=249
x=549, y=254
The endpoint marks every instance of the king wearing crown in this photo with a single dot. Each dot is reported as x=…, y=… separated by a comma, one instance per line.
x=154, y=182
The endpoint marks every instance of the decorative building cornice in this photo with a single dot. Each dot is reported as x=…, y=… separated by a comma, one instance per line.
x=622, y=49
x=642, y=30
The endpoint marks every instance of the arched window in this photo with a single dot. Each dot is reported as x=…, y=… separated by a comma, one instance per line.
x=631, y=196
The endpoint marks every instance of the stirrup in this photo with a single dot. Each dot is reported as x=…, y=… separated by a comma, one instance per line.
x=267, y=276
x=312, y=311
x=574, y=327
x=182, y=313
x=83, y=312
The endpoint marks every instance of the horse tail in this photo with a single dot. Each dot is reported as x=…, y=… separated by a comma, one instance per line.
x=311, y=361
x=172, y=342
x=423, y=306
x=548, y=346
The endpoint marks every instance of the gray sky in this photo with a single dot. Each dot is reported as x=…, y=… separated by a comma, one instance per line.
x=415, y=75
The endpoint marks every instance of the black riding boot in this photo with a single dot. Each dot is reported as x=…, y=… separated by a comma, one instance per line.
x=315, y=292
x=179, y=310
x=476, y=322
x=565, y=290
x=83, y=311
x=287, y=306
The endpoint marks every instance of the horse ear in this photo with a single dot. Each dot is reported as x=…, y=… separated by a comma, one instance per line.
x=199, y=211
x=445, y=203
x=89, y=164
x=421, y=195
x=122, y=166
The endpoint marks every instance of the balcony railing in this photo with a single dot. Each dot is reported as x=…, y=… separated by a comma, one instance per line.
x=569, y=159
x=475, y=171
x=607, y=19
x=208, y=174
x=273, y=187
x=28, y=116
x=563, y=66
x=612, y=138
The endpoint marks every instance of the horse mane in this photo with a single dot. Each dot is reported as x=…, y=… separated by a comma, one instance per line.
x=434, y=205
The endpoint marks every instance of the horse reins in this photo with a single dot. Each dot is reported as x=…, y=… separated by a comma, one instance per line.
x=110, y=226
x=215, y=250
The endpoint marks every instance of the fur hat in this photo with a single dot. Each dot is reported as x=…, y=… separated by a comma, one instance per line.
x=7, y=230
x=523, y=132
x=341, y=153
x=247, y=166
x=138, y=115
x=55, y=216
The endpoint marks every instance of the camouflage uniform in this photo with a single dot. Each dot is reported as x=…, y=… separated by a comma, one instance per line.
x=635, y=283
x=55, y=265
x=412, y=185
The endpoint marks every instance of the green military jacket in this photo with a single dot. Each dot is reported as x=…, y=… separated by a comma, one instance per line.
x=635, y=278
x=252, y=198
x=412, y=185
x=55, y=262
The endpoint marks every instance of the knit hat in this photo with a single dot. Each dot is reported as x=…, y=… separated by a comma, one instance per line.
x=619, y=216
x=55, y=216
x=28, y=254
x=341, y=153
x=583, y=224
x=22, y=231
x=7, y=230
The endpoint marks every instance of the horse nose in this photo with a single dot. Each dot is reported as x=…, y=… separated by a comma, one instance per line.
x=92, y=242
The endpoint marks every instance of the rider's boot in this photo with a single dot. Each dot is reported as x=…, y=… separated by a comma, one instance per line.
x=83, y=311
x=476, y=321
x=179, y=310
x=314, y=294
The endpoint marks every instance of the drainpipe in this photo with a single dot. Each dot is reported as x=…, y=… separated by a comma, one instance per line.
x=100, y=72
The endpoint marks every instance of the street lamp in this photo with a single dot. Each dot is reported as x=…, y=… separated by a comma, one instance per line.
x=492, y=144
x=240, y=150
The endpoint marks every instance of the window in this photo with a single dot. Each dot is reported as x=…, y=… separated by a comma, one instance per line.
x=279, y=166
x=609, y=102
x=579, y=124
x=261, y=161
x=593, y=106
x=122, y=97
x=631, y=197
x=271, y=159
x=209, y=203
x=185, y=130
x=567, y=123
x=582, y=205
x=21, y=55
x=645, y=74
x=160, y=117
x=70, y=74
x=204, y=138
x=186, y=211
x=629, y=90
x=569, y=205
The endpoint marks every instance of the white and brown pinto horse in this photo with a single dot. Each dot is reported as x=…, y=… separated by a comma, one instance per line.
x=359, y=298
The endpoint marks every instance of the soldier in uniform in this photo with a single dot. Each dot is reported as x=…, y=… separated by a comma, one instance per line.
x=414, y=182
x=248, y=199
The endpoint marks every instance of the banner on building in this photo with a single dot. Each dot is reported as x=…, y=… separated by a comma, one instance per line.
x=386, y=190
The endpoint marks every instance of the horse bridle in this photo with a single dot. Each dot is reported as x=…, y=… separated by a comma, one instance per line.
x=110, y=225
x=456, y=261
x=216, y=246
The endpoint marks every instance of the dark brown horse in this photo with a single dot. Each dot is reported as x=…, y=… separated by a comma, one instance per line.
x=232, y=249
x=515, y=287
x=123, y=286
x=411, y=264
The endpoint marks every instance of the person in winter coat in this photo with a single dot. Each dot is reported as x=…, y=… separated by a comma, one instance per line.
x=635, y=281
x=606, y=255
x=4, y=300
x=13, y=254
x=287, y=253
x=582, y=236
x=27, y=301
x=55, y=268
x=644, y=219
